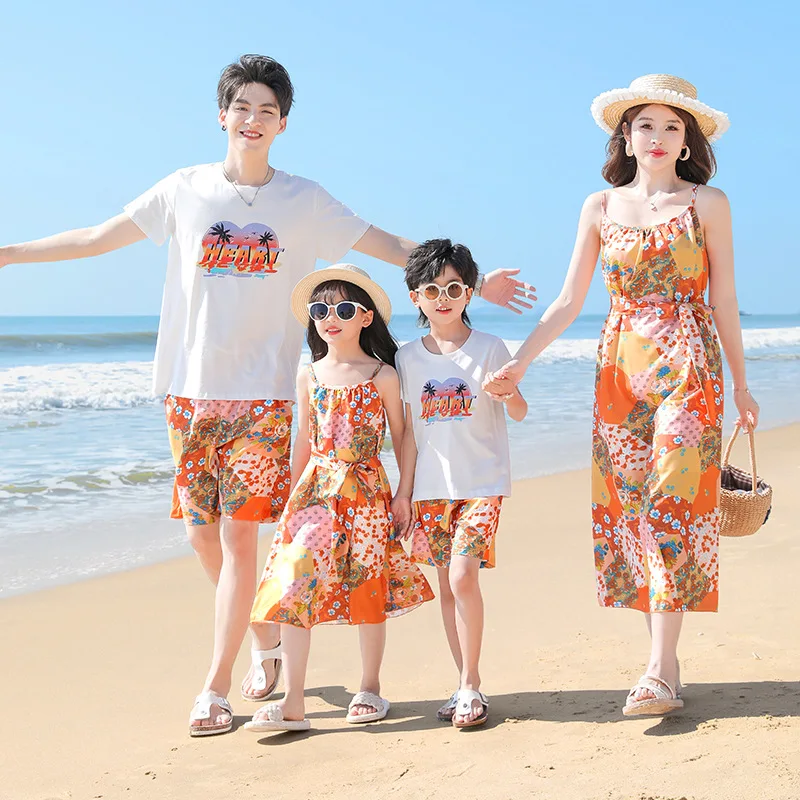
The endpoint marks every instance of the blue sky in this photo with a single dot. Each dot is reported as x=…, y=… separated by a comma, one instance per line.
x=461, y=119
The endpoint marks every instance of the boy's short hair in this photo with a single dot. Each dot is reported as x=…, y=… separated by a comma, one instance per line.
x=428, y=261
x=255, y=69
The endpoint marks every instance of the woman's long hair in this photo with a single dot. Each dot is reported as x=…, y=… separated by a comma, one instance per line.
x=701, y=165
x=375, y=340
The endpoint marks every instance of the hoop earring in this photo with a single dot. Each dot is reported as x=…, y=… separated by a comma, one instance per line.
x=629, y=149
x=224, y=128
x=688, y=153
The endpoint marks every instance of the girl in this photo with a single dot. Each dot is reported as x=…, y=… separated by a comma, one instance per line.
x=334, y=557
x=664, y=237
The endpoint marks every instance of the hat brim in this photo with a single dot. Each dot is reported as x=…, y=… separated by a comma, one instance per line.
x=608, y=108
x=301, y=294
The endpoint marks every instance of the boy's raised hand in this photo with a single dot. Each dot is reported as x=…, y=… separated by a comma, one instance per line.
x=503, y=290
x=402, y=516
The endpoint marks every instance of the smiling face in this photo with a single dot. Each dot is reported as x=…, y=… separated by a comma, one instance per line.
x=657, y=135
x=253, y=119
x=338, y=332
x=444, y=310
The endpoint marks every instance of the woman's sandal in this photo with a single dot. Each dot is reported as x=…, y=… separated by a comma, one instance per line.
x=445, y=712
x=665, y=699
x=272, y=720
x=258, y=682
x=377, y=702
x=464, y=700
x=202, y=710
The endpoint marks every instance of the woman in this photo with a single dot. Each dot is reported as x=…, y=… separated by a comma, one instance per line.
x=664, y=237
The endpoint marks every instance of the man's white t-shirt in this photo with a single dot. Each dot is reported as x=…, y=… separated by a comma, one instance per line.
x=461, y=435
x=226, y=329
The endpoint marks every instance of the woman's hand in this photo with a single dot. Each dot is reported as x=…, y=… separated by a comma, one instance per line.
x=748, y=409
x=402, y=516
x=504, y=380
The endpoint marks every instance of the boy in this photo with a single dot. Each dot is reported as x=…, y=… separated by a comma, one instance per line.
x=241, y=235
x=455, y=460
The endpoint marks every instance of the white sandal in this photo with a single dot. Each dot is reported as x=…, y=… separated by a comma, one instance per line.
x=258, y=683
x=275, y=722
x=445, y=712
x=665, y=699
x=202, y=710
x=377, y=702
x=464, y=700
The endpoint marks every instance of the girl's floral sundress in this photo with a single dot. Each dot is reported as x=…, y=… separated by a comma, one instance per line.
x=334, y=557
x=657, y=421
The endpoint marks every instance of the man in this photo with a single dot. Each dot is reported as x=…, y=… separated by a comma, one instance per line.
x=241, y=235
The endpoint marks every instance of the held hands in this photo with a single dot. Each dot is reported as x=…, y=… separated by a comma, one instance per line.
x=402, y=516
x=500, y=385
x=503, y=290
x=748, y=409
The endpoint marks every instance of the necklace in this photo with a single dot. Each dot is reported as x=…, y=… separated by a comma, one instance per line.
x=249, y=203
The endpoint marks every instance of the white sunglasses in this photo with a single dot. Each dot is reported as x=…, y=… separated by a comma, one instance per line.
x=453, y=290
x=345, y=310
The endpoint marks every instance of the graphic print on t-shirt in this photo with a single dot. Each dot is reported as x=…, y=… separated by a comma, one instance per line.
x=446, y=402
x=249, y=252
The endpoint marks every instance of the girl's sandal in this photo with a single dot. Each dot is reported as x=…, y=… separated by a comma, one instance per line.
x=445, y=712
x=258, y=683
x=665, y=699
x=202, y=711
x=464, y=700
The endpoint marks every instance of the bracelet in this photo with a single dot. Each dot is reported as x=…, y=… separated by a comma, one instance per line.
x=741, y=389
x=478, y=285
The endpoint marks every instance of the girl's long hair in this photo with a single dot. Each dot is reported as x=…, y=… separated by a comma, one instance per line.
x=375, y=340
x=701, y=165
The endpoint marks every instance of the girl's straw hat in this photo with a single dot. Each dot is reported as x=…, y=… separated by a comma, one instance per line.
x=608, y=108
x=301, y=294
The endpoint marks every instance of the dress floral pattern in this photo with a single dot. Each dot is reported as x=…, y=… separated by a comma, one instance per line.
x=334, y=557
x=657, y=422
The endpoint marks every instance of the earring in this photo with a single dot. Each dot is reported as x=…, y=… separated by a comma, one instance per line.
x=629, y=149
x=688, y=153
x=224, y=127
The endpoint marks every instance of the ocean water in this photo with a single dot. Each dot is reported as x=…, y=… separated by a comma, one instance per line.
x=85, y=467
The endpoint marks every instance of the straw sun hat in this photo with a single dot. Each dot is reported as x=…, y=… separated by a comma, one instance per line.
x=608, y=108
x=301, y=294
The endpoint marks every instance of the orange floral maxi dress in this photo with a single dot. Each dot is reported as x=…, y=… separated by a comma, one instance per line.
x=334, y=557
x=657, y=421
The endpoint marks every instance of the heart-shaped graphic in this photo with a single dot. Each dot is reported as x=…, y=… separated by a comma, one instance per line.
x=248, y=252
x=447, y=400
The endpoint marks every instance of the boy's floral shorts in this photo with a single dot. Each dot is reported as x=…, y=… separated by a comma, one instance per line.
x=445, y=528
x=232, y=458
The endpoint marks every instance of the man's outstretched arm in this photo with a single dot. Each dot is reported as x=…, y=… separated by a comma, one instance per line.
x=498, y=287
x=110, y=235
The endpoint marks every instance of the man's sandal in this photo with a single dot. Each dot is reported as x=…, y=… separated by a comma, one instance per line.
x=258, y=682
x=202, y=711
x=464, y=700
x=665, y=699
x=445, y=712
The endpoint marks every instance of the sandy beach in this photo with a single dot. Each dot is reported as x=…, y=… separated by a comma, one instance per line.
x=98, y=679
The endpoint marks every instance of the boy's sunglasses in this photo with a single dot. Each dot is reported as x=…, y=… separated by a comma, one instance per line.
x=345, y=310
x=432, y=291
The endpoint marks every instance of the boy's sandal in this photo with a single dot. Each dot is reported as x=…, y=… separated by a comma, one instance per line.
x=464, y=700
x=665, y=698
x=202, y=711
x=273, y=721
x=258, y=683
x=445, y=712
x=377, y=702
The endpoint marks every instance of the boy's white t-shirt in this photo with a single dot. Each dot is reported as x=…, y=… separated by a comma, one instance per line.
x=461, y=435
x=226, y=329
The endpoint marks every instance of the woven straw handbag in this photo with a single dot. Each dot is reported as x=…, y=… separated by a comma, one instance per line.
x=745, y=499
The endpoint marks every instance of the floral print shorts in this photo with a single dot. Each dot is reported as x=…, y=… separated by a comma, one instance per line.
x=446, y=528
x=232, y=458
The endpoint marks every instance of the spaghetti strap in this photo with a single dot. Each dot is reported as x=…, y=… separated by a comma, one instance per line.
x=694, y=194
x=603, y=201
x=377, y=370
x=313, y=374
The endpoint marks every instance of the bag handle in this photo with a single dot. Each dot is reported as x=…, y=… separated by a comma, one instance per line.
x=727, y=453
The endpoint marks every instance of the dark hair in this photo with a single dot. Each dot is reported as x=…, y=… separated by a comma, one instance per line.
x=701, y=165
x=375, y=340
x=255, y=69
x=429, y=260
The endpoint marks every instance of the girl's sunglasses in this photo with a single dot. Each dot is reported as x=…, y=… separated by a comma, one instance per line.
x=432, y=291
x=345, y=310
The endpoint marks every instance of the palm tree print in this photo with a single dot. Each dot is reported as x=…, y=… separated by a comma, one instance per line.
x=222, y=233
x=429, y=389
x=461, y=389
